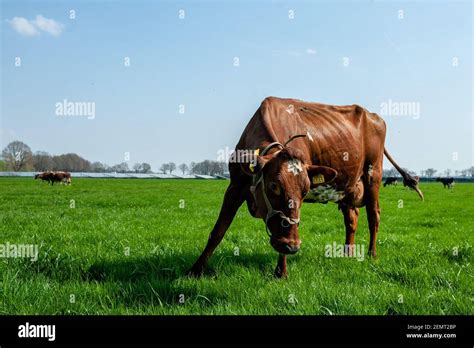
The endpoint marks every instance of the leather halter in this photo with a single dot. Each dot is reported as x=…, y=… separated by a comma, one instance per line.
x=286, y=220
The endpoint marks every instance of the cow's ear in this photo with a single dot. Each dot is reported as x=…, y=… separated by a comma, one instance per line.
x=320, y=174
x=252, y=165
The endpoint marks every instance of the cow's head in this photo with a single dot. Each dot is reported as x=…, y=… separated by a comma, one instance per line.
x=281, y=180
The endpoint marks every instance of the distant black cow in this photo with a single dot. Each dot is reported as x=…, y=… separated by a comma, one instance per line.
x=446, y=182
x=390, y=181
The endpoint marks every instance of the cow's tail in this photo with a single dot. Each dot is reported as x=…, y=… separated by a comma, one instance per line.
x=408, y=180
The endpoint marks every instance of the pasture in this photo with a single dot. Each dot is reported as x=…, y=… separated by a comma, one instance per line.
x=123, y=246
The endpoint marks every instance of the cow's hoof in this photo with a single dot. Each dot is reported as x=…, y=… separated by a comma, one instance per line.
x=372, y=254
x=280, y=274
x=196, y=272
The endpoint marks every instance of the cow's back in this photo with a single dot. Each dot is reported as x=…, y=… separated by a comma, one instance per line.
x=341, y=137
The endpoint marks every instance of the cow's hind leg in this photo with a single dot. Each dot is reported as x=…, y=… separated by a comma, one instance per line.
x=373, y=216
x=351, y=217
x=233, y=199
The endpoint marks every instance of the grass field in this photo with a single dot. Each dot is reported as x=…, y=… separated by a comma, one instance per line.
x=126, y=245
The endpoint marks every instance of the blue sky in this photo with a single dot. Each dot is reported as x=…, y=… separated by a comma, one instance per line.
x=190, y=62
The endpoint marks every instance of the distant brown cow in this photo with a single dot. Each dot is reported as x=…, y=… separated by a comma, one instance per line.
x=52, y=177
x=45, y=176
x=61, y=177
x=293, y=151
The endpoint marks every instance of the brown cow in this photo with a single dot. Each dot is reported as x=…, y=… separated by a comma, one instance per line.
x=52, y=177
x=45, y=176
x=61, y=177
x=305, y=151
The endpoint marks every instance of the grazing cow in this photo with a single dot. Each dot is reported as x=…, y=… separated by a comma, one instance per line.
x=52, y=177
x=292, y=151
x=390, y=181
x=61, y=177
x=45, y=176
x=446, y=182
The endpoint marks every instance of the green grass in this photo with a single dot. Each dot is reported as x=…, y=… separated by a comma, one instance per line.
x=82, y=253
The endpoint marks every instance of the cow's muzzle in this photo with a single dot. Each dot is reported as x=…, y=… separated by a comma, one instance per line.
x=286, y=245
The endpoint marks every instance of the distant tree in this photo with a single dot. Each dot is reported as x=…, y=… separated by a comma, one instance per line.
x=209, y=168
x=217, y=168
x=146, y=168
x=164, y=167
x=470, y=171
x=191, y=167
x=98, y=167
x=223, y=167
x=411, y=172
x=3, y=166
x=137, y=168
x=183, y=167
x=172, y=166
x=201, y=168
x=206, y=167
x=71, y=162
x=390, y=172
x=447, y=172
x=17, y=155
x=121, y=168
x=430, y=172
x=42, y=161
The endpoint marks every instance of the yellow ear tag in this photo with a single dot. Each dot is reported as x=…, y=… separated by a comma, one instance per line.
x=318, y=179
x=251, y=166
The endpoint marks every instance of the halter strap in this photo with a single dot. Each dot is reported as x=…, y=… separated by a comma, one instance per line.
x=270, y=211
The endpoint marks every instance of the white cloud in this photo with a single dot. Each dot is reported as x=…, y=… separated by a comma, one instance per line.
x=34, y=27
x=295, y=53
x=23, y=26
x=48, y=25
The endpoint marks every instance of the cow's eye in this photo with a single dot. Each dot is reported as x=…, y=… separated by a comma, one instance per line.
x=274, y=187
x=305, y=193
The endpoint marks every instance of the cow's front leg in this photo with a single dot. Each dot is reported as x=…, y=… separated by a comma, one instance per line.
x=233, y=199
x=280, y=270
x=351, y=217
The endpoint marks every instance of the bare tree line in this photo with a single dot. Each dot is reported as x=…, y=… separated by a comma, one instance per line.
x=17, y=156
x=431, y=172
x=206, y=167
